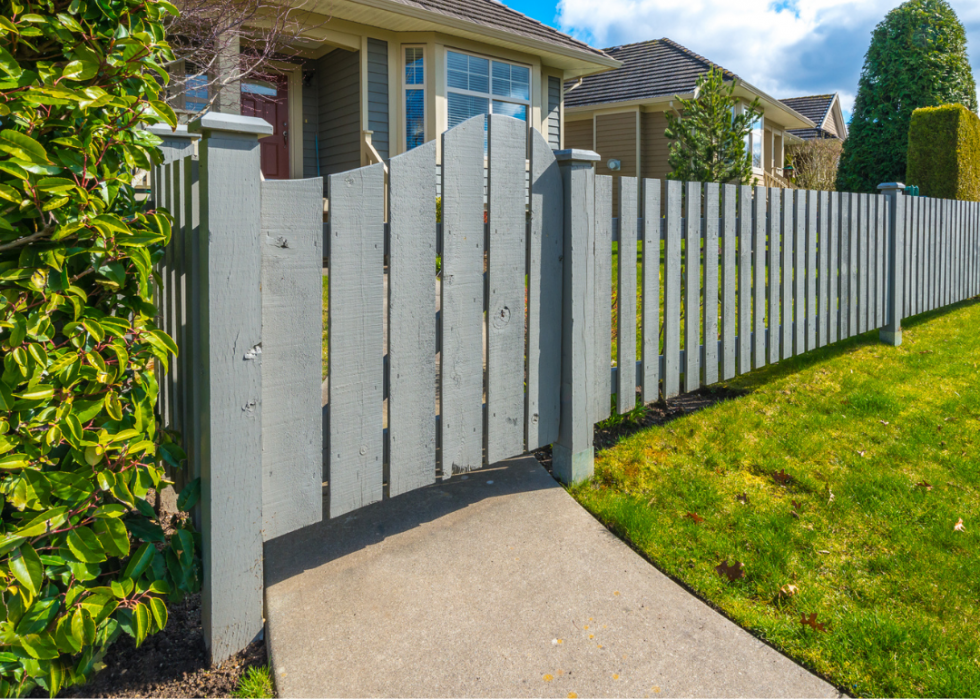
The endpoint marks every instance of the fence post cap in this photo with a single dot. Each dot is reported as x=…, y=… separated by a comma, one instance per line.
x=891, y=187
x=164, y=131
x=231, y=123
x=577, y=155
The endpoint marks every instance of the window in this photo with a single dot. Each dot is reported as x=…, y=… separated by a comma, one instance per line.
x=189, y=90
x=414, y=97
x=756, y=138
x=477, y=85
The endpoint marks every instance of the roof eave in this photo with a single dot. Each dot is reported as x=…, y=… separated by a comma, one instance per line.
x=802, y=121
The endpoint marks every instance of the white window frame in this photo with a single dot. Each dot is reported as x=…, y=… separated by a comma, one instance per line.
x=406, y=87
x=489, y=94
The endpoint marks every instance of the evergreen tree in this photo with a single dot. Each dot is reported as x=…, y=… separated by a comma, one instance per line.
x=917, y=58
x=709, y=137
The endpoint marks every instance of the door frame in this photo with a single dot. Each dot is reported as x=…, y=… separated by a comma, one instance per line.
x=294, y=110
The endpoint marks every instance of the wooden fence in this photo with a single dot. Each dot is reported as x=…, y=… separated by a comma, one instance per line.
x=507, y=346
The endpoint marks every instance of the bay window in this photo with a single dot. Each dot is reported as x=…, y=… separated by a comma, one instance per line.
x=477, y=85
x=414, y=97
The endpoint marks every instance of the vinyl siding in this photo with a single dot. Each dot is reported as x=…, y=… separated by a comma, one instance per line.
x=378, y=95
x=554, y=112
x=578, y=134
x=655, y=147
x=338, y=74
x=310, y=124
x=615, y=136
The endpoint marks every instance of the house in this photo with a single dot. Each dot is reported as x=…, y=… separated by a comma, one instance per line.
x=824, y=111
x=622, y=114
x=374, y=78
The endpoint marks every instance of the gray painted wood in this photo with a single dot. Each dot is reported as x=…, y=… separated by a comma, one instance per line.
x=173, y=288
x=845, y=265
x=811, y=270
x=554, y=111
x=864, y=201
x=833, y=266
x=823, y=292
x=759, y=282
x=629, y=214
x=231, y=463
x=852, y=284
x=651, y=290
x=462, y=298
x=774, y=224
x=292, y=324
x=506, y=265
x=799, y=273
x=544, y=298
x=672, y=290
x=573, y=452
x=880, y=261
x=895, y=219
x=788, y=207
x=180, y=362
x=744, y=279
x=912, y=246
x=412, y=320
x=377, y=84
x=692, y=288
x=712, y=196
x=356, y=449
x=729, y=302
x=196, y=362
x=603, y=295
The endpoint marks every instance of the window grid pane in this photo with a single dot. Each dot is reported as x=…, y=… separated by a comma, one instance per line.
x=462, y=107
x=518, y=111
x=511, y=81
x=414, y=118
x=414, y=67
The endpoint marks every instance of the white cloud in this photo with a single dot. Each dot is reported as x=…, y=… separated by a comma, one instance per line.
x=786, y=48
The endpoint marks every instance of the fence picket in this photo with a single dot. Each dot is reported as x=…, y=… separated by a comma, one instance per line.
x=411, y=320
x=799, y=273
x=823, y=235
x=759, y=258
x=811, y=270
x=729, y=325
x=853, y=250
x=880, y=262
x=506, y=265
x=461, y=404
x=672, y=291
x=651, y=290
x=711, y=204
x=744, y=279
x=774, y=221
x=603, y=295
x=786, y=317
x=544, y=296
x=629, y=212
x=692, y=289
x=833, y=267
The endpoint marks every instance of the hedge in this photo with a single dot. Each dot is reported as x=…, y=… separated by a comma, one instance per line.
x=944, y=152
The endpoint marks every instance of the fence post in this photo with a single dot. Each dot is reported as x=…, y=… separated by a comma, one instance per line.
x=229, y=412
x=573, y=453
x=891, y=333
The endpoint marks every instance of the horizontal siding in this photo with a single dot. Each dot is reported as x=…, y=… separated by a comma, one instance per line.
x=554, y=112
x=654, y=147
x=310, y=125
x=615, y=136
x=339, y=108
x=578, y=134
x=378, y=95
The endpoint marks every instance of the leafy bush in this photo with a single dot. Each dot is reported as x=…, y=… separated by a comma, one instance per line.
x=815, y=163
x=708, y=139
x=82, y=556
x=917, y=58
x=944, y=152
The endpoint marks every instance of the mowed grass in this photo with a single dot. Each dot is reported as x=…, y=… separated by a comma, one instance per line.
x=881, y=447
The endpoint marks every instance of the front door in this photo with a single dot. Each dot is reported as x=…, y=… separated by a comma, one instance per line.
x=268, y=99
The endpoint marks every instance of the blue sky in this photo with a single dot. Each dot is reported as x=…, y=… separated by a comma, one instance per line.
x=787, y=48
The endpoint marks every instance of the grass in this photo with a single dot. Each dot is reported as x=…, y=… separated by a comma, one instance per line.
x=881, y=447
x=256, y=683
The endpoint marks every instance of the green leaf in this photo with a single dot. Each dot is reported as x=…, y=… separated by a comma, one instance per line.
x=113, y=536
x=189, y=496
x=140, y=561
x=94, y=329
x=145, y=530
x=142, y=618
x=85, y=545
x=113, y=406
x=165, y=112
x=41, y=647
x=27, y=568
x=159, y=610
x=14, y=462
x=6, y=397
x=9, y=64
x=23, y=147
x=39, y=616
x=80, y=70
x=39, y=392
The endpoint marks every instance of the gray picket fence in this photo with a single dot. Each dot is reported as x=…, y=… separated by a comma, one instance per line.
x=459, y=343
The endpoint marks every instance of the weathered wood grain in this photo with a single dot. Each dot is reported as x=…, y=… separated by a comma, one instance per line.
x=651, y=290
x=787, y=316
x=799, y=273
x=823, y=254
x=712, y=196
x=759, y=258
x=672, y=290
x=356, y=446
x=833, y=263
x=629, y=214
x=544, y=296
x=744, y=279
x=774, y=223
x=852, y=284
x=461, y=401
x=812, y=240
x=729, y=302
x=412, y=320
x=692, y=288
x=603, y=295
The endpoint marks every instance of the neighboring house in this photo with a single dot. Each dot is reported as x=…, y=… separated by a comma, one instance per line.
x=374, y=78
x=824, y=111
x=622, y=114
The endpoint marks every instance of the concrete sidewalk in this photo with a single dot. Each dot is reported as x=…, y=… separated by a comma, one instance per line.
x=497, y=584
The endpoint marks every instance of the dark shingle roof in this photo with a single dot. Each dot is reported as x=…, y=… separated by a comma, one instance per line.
x=496, y=15
x=658, y=68
x=814, y=108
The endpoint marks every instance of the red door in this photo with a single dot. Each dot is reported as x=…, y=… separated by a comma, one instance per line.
x=268, y=99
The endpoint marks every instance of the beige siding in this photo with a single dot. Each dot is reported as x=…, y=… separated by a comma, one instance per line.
x=655, y=148
x=615, y=136
x=578, y=134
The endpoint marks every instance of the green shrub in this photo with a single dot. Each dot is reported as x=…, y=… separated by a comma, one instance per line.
x=944, y=152
x=82, y=557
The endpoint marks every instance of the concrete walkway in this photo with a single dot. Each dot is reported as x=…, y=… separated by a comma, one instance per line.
x=497, y=584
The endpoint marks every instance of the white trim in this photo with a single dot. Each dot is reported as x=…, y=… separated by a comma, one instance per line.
x=491, y=98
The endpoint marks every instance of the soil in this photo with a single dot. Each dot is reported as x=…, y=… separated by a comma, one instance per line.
x=172, y=663
x=609, y=435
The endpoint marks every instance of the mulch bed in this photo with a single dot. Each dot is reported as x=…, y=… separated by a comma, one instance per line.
x=172, y=663
x=654, y=414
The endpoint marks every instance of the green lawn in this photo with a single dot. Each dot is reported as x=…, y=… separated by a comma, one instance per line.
x=881, y=447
